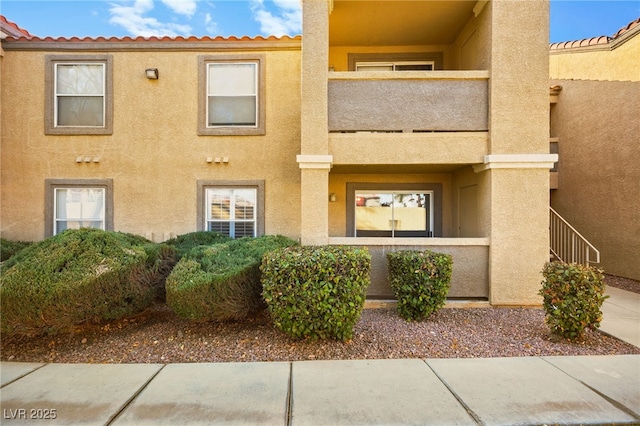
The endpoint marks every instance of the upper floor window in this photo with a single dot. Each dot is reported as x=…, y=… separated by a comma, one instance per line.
x=79, y=94
x=396, y=61
x=231, y=95
x=396, y=66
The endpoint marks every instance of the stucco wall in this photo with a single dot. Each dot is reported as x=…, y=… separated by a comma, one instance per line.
x=472, y=48
x=154, y=156
x=610, y=62
x=598, y=129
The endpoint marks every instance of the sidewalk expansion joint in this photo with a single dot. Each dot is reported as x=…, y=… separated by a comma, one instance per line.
x=470, y=412
x=128, y=402
x=24, y=375
x=620, y=406
x=289, y=396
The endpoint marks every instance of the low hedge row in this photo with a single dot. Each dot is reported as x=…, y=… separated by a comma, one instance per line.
x=10, y=248
x=220, y=282
x=91, y=276
x=316, y=292
x=80, y=276
x=183, y=244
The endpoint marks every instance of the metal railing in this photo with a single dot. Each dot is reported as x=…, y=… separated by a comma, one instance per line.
x=567, y=245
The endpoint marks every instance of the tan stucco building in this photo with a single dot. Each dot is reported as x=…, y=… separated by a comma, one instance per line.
x=595, y=122
x=391, y=125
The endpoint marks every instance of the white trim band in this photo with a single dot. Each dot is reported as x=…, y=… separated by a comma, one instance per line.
x=314, y=161
x=516, y=161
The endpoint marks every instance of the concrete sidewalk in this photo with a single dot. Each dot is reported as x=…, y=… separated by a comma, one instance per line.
x=621, y=315
x=488, y=391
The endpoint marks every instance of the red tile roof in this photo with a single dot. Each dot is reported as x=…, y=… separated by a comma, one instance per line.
x=595, y=41
x=13, y=30
x=16, y=33
x=153, y=38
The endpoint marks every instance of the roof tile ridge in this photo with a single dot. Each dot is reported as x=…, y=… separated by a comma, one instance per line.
x=24, y=33
x=626, y=28
x=154, y=38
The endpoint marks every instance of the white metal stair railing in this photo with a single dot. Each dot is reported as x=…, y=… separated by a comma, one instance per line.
x=567, y=245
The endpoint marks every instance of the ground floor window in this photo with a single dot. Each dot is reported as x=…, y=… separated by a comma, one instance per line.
x=75, y=204
x=231, y=208
x=394, y=210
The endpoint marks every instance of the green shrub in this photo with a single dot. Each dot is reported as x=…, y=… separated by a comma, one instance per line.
x=221, y=282
x=420, y=281
x=80, y=276
x=316, y=292
x=9, y=248
x=187, y=242
x=572, y=296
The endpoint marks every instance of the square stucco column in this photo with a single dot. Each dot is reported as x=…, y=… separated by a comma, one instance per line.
x=314, y=161
x=313, y=85
x=519, y=226
x=314, y=171
x=516, y=188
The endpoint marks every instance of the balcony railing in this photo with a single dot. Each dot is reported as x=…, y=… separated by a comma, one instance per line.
x=408, y=101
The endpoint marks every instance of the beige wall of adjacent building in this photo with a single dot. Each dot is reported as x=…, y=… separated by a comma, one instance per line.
x=595, y=121
x=616, y=60
x=598, y=131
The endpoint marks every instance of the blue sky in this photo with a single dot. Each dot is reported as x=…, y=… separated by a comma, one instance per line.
x=569, y=19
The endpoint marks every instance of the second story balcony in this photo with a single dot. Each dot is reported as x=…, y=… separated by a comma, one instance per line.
x=408, y=101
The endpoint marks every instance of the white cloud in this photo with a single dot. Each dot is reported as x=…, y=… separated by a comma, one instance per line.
x=210, y=25
x=183, y=7
x=284, y=19
x=131, y=16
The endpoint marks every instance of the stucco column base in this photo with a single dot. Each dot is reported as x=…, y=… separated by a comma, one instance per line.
x=519, y=234
x=314, y=198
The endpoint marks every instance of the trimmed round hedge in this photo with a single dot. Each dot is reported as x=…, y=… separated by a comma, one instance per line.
x=420, y=280
x=316, y=291
x=572, y=295
x=80, y=276
x=221, y=282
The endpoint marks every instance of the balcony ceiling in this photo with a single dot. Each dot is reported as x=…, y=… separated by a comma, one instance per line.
x=397, y=22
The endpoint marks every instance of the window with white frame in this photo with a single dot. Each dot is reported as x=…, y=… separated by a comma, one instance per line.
x=231, y=212
x=232, y=95
x=232, y=208
x=395, y=61
x=75, y=204
x=77, y=208
x=396, y=66
x=80, y=92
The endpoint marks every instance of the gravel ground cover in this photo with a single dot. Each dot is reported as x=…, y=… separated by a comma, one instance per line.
x=158, y=336
x=623, y=283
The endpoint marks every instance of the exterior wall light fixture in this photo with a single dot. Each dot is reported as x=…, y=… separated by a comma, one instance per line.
x=152, y=73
